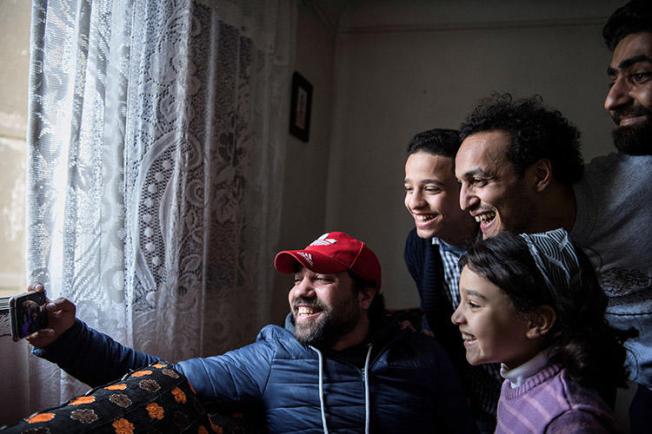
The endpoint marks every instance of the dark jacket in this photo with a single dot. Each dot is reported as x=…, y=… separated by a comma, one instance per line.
x=437, y=309
x=412, y=386
x=424, y=263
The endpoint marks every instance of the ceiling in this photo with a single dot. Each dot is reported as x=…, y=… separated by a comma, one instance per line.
x=353, y=14
x=330, y=10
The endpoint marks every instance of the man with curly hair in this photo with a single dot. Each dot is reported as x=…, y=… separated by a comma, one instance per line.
x=517, y=165
x=520, y=170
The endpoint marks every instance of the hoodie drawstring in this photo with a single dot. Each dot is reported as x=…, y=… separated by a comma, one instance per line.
x=321, y=389
x=365, y=376
x=367, y=405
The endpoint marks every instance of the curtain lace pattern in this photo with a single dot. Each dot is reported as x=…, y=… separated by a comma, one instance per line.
x=156, y=141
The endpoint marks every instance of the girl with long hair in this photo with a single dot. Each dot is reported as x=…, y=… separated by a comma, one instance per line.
x=532, y=303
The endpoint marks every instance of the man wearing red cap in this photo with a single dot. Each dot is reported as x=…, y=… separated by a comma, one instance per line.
x=336, y=365
x=323, y=313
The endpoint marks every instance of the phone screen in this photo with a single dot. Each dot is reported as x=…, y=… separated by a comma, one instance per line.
x=27, y=314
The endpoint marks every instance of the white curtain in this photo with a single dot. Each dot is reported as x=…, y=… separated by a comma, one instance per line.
x=156, y=148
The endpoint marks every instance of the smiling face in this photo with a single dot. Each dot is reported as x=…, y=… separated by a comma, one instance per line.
x=629, y=101
x=327, y=309
x=492, y=329
x=432, y=198
x=491, y=190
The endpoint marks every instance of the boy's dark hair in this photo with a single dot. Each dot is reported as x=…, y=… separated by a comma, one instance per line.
x=535, y=131
x=581, y=339
x=438, y=141
x=634, y=17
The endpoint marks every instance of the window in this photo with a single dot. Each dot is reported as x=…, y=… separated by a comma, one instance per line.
x=14, y=71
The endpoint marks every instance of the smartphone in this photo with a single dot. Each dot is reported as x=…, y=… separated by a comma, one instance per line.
x=27, y=314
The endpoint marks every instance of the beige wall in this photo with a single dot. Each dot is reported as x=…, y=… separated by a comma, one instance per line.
x=15, y=25
x=306, y=172
x=387, y=70
x=403, y=67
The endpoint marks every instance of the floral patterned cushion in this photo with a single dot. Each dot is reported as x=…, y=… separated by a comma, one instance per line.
x=156, y=399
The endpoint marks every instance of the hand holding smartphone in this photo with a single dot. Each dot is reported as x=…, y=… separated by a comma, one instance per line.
x=28, y=314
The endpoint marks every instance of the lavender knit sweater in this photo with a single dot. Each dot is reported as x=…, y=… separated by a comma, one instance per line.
x=550, y=402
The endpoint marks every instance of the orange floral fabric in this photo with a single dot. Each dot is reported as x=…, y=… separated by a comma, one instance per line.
x=155, y=411
x=123, y=426
x=83, y=400
x=179, y=396
x=41, y=417
x=118, y=386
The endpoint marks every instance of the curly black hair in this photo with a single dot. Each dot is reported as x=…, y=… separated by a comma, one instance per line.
x=536, y=133
x=634, y=17
x=438, y=141
x=581, y=340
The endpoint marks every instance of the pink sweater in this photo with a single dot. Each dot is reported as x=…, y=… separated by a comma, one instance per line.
x=550, y=402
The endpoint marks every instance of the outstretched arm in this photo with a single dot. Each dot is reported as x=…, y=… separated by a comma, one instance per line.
x=86, y=354
x=92, y=357
x=96, y=359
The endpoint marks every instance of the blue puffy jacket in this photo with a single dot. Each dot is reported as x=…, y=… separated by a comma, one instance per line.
x=410, y=387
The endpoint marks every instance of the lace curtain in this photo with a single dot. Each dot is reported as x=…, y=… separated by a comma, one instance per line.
x=157, y=136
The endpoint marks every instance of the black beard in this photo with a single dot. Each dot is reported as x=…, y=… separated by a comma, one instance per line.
x=335, y=324
x=634, y=140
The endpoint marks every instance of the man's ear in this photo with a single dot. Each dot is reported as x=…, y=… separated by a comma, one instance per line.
x=540, y=174
x=540, y=321
x=366, y=296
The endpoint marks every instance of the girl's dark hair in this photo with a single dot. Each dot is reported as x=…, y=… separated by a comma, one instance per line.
x=581, y=340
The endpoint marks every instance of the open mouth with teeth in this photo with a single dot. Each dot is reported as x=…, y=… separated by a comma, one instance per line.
x=468, y=339
x=632, y=120
x=485, y=217
x=631, y=116
x=423, y=218
x=306, y=312
x=424, y=221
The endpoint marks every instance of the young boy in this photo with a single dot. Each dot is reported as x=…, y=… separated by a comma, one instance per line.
x=432, y=250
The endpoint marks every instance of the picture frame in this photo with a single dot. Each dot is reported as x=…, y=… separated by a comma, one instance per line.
x=300, y=107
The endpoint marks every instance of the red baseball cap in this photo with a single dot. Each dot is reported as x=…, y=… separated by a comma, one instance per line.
x=333, y=252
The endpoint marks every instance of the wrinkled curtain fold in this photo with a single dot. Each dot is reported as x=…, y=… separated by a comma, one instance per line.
x=155, y=151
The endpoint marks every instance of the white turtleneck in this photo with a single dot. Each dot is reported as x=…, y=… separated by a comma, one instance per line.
x=518, y=375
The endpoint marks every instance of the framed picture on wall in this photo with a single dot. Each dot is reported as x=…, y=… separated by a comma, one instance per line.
x=300, y=106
